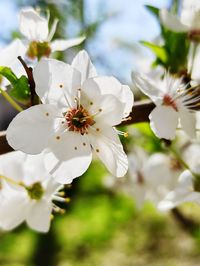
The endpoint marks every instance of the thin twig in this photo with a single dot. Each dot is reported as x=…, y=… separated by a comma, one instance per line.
x=186, y=223
x=29, y=72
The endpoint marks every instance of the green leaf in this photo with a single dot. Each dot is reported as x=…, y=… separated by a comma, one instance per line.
x=20, y=87
x=21, y=90
x=159, y=51
x=153, y=10
x=8, y=74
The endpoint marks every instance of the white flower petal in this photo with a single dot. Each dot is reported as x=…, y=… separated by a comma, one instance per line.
x=147, y=86
x=182, y=193
x=31, y=129
x=109, y=149
x=33, y=26
x=39, y=216
x=52, y=30
x=30, y=165
x=164, y=121
x=111, y=110
x=107, y=107
x=51, y=187
x=110, y=85
x=83, y=64
x=172, y=22
x=9, y=54
x=71, y=156
x=13, y=211
x=153, y=170
x=61, y=45
x=55, y=81
x=11, y=165
x=188, y=122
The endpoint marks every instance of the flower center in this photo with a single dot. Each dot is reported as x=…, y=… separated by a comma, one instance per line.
x=38, y=49
x=79, y=120
x=167, y=100
x=35, y=191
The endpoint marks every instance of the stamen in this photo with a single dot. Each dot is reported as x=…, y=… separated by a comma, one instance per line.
x=126, y=119
x=121, y=133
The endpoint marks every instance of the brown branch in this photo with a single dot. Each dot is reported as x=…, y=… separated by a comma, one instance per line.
x=140, y=112
x=186, y=223
x=4, y=147
x=29, y=72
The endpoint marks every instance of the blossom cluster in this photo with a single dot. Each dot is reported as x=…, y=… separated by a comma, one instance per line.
x=74, y=116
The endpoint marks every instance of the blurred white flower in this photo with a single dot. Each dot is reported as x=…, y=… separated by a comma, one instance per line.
x=36, y=29
x=173, y=102
x=149, y=179
x=79, y=112
x=32, y=200
x=8, y=58
x=184, y=192
x=189, y=20
x=188, y=186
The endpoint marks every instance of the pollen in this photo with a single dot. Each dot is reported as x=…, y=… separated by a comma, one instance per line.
x=126, y=134
x=91, y=103
x=97, y=150
x=97, y=129
x=79, y=120
x=84, y=144
x=47, y=114
x=57, y=137
x=100, y=110
x=75, y=148
x=61, y=86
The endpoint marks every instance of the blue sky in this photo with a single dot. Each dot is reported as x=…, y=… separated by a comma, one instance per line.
x=131, y=23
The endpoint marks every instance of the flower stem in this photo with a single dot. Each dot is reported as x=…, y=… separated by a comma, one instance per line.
x=11, y=181
x=10, y=100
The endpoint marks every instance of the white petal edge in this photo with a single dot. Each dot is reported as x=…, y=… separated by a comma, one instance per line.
x=172, y=22
x=61, y=45
x=54, y=80
x=164, y=121
x=83, y=64
x=31, y=129
x=32, y=25
x=108, y=148
x=39, y=216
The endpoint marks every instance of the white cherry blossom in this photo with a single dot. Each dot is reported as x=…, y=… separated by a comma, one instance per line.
x=174, y=103
x=38, y=36
x=184, y=192
x=77, y=116
x=189, y=20
x=149, y=178
x=28, y=191
x=188, y=186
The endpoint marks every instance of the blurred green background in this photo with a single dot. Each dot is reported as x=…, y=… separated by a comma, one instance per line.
x=101, y=227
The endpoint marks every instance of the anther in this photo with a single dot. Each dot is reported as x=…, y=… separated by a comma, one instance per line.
x=126, y=134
